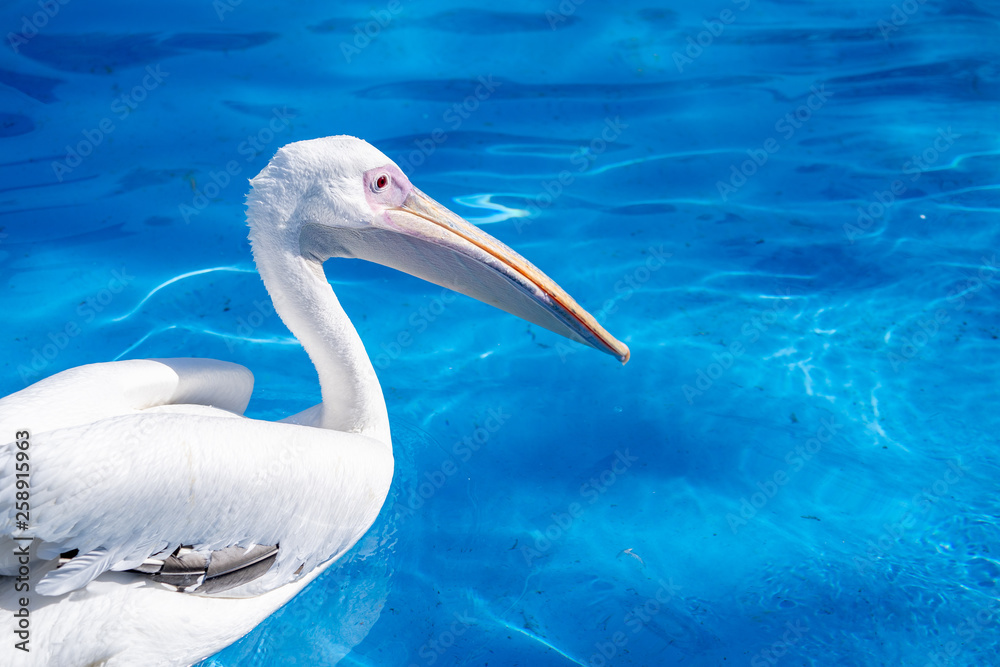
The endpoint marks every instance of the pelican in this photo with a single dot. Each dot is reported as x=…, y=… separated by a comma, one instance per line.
x=161, y=524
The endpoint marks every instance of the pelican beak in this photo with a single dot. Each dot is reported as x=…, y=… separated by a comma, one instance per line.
x=423, y=238
x=495, y=274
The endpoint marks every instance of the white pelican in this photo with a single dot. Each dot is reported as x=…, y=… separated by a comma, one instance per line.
x=163, y=524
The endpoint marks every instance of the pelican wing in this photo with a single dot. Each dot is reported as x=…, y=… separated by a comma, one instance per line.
x=89, y=393
x=124, y=488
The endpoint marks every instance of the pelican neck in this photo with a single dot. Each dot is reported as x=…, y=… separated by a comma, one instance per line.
x=305, y=301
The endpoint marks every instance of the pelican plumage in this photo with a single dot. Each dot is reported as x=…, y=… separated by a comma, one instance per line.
x=162, y=523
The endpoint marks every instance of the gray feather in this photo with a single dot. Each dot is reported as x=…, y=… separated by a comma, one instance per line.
x=210, y=572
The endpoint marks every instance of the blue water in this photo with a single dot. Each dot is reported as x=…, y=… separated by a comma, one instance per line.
x=790, y=219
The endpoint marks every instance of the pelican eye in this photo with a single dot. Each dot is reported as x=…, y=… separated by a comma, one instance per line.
x=381, y=183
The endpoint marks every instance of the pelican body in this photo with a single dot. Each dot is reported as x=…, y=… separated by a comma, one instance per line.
x=161, y=524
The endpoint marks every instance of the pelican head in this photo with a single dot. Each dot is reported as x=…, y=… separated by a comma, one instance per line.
x=342, y=197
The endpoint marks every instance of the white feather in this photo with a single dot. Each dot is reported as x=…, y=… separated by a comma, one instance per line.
x=77, y=573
